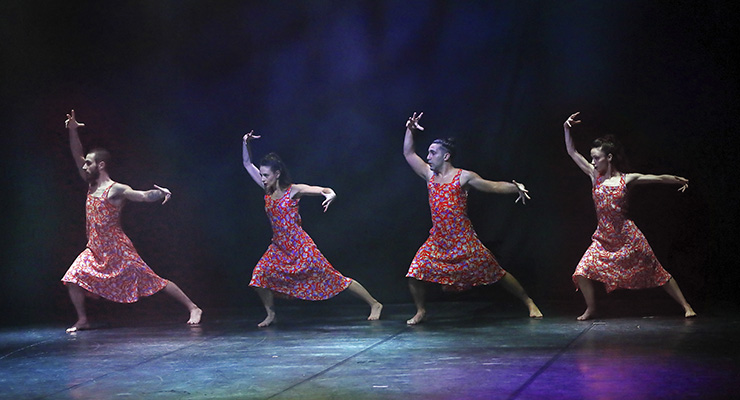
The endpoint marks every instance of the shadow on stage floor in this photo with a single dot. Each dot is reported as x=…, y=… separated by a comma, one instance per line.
x=465, y=350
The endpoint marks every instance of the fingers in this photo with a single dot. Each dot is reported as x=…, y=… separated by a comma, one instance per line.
x=167, y=193
x=572, y=120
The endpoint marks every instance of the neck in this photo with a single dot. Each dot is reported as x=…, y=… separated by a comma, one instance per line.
x=444, y=169
x=102, y=180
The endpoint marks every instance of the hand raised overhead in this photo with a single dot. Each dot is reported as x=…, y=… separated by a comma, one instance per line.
x=413, y=122
x=71, y=122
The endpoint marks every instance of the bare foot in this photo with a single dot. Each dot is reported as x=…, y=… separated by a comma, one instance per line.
x=588, y=314
x=534, y=311
x=690, y=313
x=375, y=310
x=416, y=319
x=78, y=326
x=195, y=314
x=269, y=320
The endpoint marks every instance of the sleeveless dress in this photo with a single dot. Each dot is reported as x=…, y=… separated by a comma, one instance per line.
x=292, y=265
x=110, y=267
x=453, y=255
x=619, y=255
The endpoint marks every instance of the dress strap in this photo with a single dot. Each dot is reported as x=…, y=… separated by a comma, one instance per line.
x=105, y=193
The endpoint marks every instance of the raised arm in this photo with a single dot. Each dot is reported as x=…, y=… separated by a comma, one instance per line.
x=581, y=161
x=299, y=189
x=471, y=179
x=639, y=179
x=417, y=164
x=78, y=154
x=253, y=171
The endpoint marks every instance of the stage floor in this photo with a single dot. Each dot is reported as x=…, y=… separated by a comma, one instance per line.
x=465, y=350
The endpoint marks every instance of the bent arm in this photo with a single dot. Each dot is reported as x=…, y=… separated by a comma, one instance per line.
x=580, y=160
x=415, y=162
x=253, y=171
x=299, y=189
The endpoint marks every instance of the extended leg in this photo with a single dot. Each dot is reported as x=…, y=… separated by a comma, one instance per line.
x=587, y=288
x=360, y=291
x=195, y=313
x=77, y=295
x=417, y=289
x=512, y=286
x=672, y=288
x=269, y=303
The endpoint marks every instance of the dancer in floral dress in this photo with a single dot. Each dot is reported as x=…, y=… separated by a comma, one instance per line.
x=293, y=266
x=110, y=267
x=619, y=255
x=453, y=256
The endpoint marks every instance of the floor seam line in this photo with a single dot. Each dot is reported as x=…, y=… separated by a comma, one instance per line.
x=66, y=389
x=547, y=365
x=322, y=372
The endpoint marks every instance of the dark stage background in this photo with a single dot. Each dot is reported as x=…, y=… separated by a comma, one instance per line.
x=171, y=86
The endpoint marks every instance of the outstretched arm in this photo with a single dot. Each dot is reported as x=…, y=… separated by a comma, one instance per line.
x=581, y=161
x=470, y=178
x=75, y=144
x=120, y=192
x=417, y=164
x=253, y=171
x=648, y=178
x=297, y=190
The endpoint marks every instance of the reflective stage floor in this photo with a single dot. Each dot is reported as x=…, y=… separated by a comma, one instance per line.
x=465, y=350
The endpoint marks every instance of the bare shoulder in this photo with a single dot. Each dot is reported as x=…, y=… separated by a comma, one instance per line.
x=117, y=189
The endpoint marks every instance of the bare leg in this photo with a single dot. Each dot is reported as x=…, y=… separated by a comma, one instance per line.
x=512, y=286
x=360, y=291
x=77, y=295
x=587, y=288
x=672, y=288
x=269, y=303
x=174, y=291
x=417, y=292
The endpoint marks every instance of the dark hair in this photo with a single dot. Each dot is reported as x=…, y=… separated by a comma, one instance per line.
x=275, y=163
x=608, y=144
x=448, y=144
x=100, y=155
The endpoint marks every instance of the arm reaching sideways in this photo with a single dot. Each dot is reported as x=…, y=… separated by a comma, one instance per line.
x=639, y=179
x=121, y=192
x=470, y=178
x=299, y=189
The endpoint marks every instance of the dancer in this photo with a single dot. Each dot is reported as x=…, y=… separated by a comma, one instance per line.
x=453, y=256
x=619, y=255
x=293, y=265
x=110, y=267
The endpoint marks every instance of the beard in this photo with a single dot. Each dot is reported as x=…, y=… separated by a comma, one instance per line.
x=92, y=176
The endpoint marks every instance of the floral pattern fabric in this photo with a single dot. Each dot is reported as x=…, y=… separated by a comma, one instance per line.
x=453, y=255
x=619, y=254
x=292, y=265
x=109, y=266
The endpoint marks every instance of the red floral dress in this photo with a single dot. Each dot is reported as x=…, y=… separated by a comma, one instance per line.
x=453, y=255
x=619, y=255
x=110, y=266
x=293, y=265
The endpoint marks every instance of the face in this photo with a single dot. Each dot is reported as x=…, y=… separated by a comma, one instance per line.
x=600, y=161
x=437, y=156
x=91, y=168
x=269, y=177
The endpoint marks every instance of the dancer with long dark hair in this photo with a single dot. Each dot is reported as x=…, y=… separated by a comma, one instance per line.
x=619, y=255
x=293, y=266
x=453, y=256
